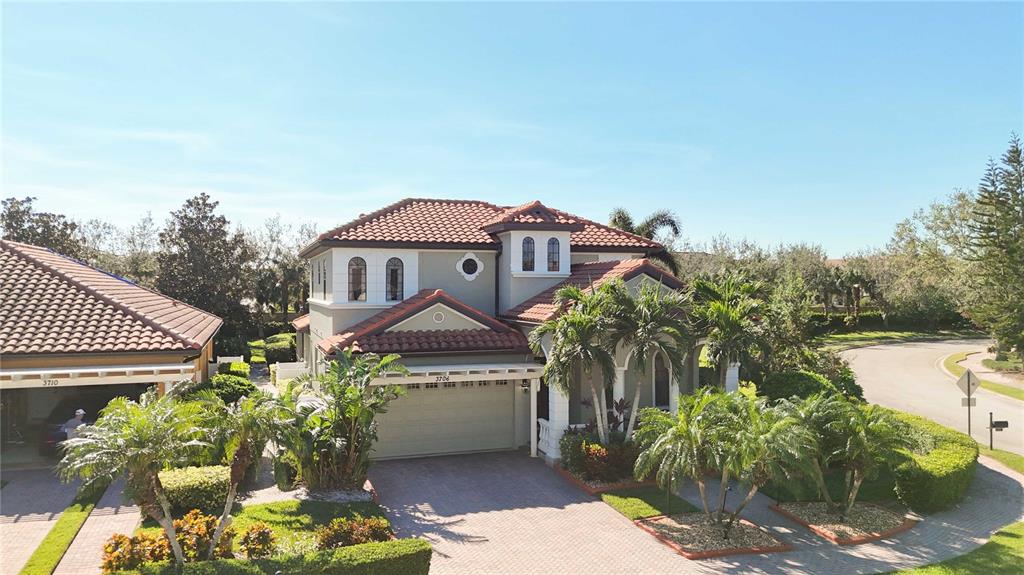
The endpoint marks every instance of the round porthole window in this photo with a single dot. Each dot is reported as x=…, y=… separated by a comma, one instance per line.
x=469, y=266
x=438, y=317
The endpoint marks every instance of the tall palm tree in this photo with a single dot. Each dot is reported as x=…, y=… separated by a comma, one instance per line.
x=679, y=446
x=730, y=310
x=244, y=427
x=872, y=440
x=648, y=228
x=138, y=439
x=770, y=445
x=578, y=345
x=654, y=321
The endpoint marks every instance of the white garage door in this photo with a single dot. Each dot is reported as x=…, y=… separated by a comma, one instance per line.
x=437, y=418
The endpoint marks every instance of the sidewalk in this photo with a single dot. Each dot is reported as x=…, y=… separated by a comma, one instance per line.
x=111, y=515
x=29, y=506
x=973, y=363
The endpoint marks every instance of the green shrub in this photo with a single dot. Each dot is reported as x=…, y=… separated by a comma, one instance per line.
x=936, y=475
x=124, y=552
x=286, y=470
x=571, y=448
x=237, y=368
x=203, y=488
x=229, y=388
x=596, y=463
x=280, y=352
x=398, y=557
x=195, y=532
x=343, y=532
x=258, y=541
x=281, y=337
x=799, y=383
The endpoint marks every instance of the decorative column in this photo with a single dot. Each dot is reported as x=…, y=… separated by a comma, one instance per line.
x=673, y=392
x=534, y=387
x=619, y=386
x=558, y=419
x=732, y=377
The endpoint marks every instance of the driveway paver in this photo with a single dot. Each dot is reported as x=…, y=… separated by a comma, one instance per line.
x=112, y=514
x=29, y=506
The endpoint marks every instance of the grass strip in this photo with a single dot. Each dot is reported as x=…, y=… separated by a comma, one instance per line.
x=647, y=501
x=952, y=365
x=49, y=553
x=1002, y=555
x=848, y=340
x=1007, y=458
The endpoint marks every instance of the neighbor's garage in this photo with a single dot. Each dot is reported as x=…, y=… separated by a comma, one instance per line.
x=454, y=417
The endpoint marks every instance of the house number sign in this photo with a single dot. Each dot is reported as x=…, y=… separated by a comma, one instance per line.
x=443, y=378
x=50, y=382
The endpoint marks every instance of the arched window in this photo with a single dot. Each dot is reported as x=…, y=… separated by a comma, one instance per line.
x=357, y=279
x=394, y=279
x=661, y=382
x=553, y=255
x=528, y=254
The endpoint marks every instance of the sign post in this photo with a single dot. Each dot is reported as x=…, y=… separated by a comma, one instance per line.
x=967, y=383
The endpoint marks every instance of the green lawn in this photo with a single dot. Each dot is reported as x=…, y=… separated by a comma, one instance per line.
x=647, y=501
x=1011, y=460
x=290, y=519
x=1012, y=364
x=847, y=340
x=879, y=489
x=952, y=365
x=49, y=553
x=1002, y=555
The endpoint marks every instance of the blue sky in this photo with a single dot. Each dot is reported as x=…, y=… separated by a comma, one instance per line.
x=821, y=122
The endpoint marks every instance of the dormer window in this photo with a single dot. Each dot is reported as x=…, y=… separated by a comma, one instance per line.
x=528, y=254
x=394, y=272
x=357, y=279
x=553, y=254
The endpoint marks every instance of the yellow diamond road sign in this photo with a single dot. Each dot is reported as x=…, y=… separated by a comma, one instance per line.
x=968, y=383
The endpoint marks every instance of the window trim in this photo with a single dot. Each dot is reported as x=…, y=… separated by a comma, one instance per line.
x=557, y=253
x=528, y=241
x=360, y=264
x=399, y=289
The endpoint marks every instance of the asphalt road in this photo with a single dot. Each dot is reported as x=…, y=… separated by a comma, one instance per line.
x=909, y=377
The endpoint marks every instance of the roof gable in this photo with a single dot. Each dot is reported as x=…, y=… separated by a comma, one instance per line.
x=437, y=317
x=533, y=215
x=376, y=332
x=50, y=303
x=588, y=276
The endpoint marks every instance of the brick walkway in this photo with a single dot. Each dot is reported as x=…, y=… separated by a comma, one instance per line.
x=111, y=515
x=506, y=513
x=29, y=506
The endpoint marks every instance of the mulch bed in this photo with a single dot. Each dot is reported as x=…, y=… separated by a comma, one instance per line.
x=866, y=522
x=695, y=536
x=599, y=487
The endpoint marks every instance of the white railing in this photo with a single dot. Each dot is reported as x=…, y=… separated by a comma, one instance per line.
x=544, y=435
x=290, y=370
x=229, y=359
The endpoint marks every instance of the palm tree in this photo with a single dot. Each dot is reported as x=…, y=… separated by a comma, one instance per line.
x=872, y=440
x=578, y=345
x=337, y=427
x=680, y=446
x=244, y=426
x=648, y=228
x=138, y=440
x=769, y=445
x=730, y=310
x=655, y=320
x=825, y=414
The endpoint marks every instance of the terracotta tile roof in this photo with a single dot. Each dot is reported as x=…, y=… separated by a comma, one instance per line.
x=541, y=307
x=53, y=304
x=301, y=323
x=430, y=222
x=371, y=335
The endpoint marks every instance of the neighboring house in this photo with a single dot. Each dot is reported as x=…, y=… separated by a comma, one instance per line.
x=454, y=287
x=73, y=336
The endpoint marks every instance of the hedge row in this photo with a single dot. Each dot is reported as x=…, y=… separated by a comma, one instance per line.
x=203, y=488
x=398, y=557
x=938, y=478
x=236, y=368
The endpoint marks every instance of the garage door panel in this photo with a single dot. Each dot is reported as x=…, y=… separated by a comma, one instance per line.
x=428, y=421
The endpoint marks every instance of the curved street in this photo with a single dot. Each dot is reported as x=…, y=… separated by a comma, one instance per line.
x=909, y=377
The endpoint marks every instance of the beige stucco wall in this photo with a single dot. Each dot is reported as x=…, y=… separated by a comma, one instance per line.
x=437, y=271
x=424, y=321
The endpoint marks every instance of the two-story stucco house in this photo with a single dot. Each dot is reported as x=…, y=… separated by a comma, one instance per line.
x=454, y=287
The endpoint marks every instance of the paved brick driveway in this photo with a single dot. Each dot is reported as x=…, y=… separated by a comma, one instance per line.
x=29, y=506
x=507, y=513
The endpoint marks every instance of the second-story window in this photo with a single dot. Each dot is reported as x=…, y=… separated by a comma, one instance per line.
x=553, y=251
x=323, y=278
x=393, y=274
x=357, y=279
x=528, y=254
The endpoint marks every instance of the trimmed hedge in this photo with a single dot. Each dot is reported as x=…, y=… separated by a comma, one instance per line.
x=280, y=351
x=939, y=478
x=203, y=488
x=799, y=383
x=281, y=337
x=397, y=557
x=227, y=387
x=238, y=368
